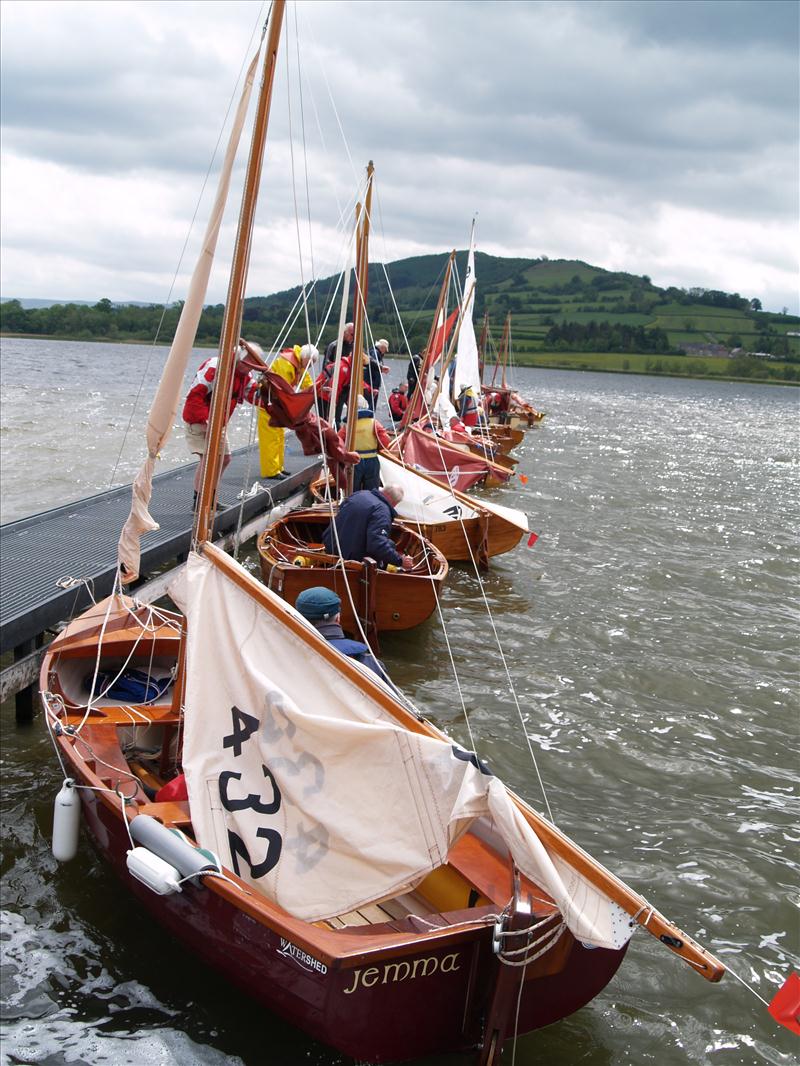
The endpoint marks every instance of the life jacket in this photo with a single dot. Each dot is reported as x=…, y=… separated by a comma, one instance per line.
x=366, y=439
x=468, y=408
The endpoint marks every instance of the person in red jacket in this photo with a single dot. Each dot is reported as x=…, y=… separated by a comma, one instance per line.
x=398, y=402
x=197, y=406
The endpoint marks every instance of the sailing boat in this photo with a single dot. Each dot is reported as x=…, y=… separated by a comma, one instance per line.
x=460, y=526
x=291, y=550
x=450, y=456
x=300, y=827
x=507, y=407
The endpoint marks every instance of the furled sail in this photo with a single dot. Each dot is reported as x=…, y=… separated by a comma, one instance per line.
x=168, y=394
x=467, y=372
x=427, y=503
x=422, y=501
x=307, y=787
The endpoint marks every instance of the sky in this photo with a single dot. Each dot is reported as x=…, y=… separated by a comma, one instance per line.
x=656, y=137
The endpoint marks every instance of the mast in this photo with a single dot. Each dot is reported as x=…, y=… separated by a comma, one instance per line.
x=482, y=344
x=448, y=358
x=506, y=346
x=223, y=383
x=362, y=285
x=414, y=409
x=502, y=355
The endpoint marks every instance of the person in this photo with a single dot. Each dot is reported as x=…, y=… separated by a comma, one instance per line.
x=370, y=436
x=324, y=382
x=292, y=365
x=412, y=374
x=197, y=405
x=362, y=525
x=398, y=402
x=323, y=609
x=468, y=409
x=373, y=372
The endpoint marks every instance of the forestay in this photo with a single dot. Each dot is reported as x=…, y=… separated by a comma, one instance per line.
x=307, y=788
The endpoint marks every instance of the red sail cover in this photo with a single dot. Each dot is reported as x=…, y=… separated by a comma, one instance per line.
x=414, y=409
x=441, y=461
x=293, y=410
x=440, y=337
x=286, y=407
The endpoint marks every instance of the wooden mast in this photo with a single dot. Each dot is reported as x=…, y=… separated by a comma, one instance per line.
x=414, y=409
x=451, y=351
x=502, y=355
x=229, y=337
x=362, y=286
x=506, y=346
x=482, y=345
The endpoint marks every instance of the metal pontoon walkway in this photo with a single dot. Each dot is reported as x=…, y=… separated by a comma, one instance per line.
x=79, y=540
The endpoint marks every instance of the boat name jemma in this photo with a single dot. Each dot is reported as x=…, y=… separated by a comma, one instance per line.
x=400, y=971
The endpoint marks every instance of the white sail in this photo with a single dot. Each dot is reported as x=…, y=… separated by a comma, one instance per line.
x=423, y=501
x=168, y=395
x=305, y=785
x=467, y=364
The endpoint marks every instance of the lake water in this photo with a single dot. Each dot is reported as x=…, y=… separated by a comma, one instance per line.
x=652, y=642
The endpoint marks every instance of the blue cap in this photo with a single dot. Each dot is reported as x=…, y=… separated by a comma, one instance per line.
x=318, y=604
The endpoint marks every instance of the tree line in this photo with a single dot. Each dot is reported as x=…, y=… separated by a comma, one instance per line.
x=605, y=337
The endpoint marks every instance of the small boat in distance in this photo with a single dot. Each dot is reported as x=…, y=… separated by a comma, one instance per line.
x=505, y=406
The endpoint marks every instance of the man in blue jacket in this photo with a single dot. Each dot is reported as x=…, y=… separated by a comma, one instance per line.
x=362, y=526
x=322, y=607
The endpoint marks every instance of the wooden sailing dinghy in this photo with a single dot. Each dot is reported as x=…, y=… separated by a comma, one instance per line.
x=374, y=941
x=293, y=558
x=462, y=527
x=319, y=843
x=507, y=407
x=426, y=440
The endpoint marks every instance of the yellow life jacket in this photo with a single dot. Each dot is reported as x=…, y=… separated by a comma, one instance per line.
x=366, y=440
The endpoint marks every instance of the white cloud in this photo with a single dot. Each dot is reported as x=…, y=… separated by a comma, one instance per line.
x=655, y=138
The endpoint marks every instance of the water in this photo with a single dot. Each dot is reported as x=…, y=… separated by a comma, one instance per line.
x=651, y=637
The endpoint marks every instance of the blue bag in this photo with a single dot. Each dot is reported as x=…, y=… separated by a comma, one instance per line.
x=132, y=686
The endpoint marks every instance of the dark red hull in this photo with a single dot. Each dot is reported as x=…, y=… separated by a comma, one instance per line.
x=387, y=1009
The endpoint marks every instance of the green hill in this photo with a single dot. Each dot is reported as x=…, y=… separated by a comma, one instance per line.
x=559, y=308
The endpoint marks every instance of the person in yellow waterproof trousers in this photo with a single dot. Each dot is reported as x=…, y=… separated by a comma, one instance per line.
x=292, y=365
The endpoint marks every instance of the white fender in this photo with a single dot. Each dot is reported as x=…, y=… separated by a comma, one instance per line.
x=66, y=822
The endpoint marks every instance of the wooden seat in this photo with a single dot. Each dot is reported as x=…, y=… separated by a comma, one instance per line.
x=173, y=812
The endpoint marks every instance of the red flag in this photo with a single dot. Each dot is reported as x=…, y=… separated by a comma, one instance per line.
x=785, y=1005
x=532, y=539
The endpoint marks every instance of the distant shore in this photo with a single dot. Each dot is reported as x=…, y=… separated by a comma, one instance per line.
x=706, y=368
